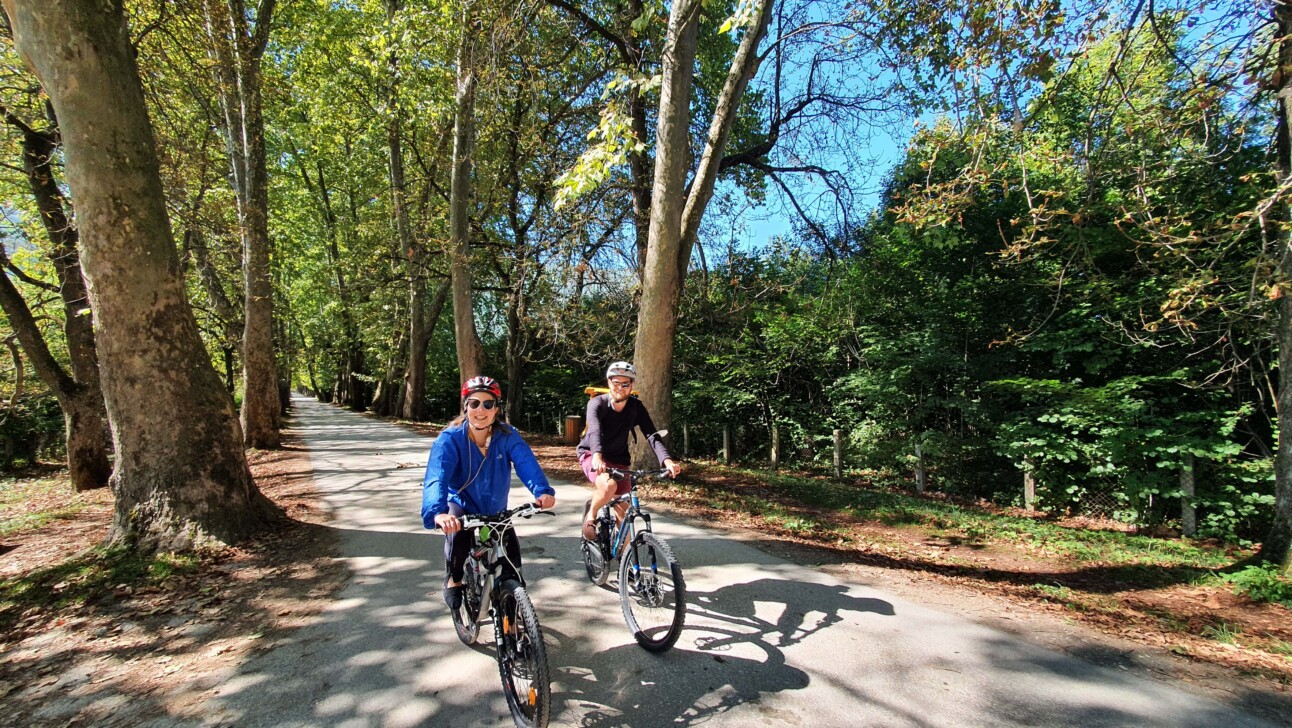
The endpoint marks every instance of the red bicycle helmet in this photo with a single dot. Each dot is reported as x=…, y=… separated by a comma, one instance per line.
x=482, y=384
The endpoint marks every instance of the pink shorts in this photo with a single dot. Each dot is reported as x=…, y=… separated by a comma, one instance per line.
x=585, y=462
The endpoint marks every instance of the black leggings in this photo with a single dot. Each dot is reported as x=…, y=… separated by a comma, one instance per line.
x=458, y=544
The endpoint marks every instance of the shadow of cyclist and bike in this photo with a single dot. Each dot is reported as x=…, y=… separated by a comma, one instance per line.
x=730, y=654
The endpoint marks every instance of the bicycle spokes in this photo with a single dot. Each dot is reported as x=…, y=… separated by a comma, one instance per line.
x=651, y=592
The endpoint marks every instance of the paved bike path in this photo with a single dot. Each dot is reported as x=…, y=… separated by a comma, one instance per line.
x=767, y=642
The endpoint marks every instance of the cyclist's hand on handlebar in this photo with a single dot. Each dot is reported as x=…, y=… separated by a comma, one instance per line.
x=448, y=522
x=598, y=464
x=673, y=467
x=545, y=501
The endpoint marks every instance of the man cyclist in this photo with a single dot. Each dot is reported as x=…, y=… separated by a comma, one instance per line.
x=610, y=419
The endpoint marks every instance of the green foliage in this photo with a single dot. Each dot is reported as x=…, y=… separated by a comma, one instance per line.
x=30, y=429
x=1131, y=436
x=1060, y=594
x=1264, y=583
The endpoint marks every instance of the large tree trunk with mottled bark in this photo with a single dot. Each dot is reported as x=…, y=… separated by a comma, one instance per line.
x=470, y=351
x=237, y=50
x=181, y=477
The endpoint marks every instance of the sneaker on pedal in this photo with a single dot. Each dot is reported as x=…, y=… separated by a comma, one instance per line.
x=453, y=597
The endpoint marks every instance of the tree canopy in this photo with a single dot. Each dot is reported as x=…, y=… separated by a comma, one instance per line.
x=1073, y=266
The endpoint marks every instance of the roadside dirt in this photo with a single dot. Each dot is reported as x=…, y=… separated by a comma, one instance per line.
x=153, y=654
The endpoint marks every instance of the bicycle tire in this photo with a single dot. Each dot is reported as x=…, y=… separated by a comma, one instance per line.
x=465, y=617
x=522, y=658
x=652, y=592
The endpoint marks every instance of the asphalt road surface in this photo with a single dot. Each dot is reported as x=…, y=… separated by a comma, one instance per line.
x=766, y=642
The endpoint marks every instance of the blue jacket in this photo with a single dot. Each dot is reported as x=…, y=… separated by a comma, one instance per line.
x=455, y=460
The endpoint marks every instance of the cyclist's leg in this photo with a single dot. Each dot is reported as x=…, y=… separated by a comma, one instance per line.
x=603, y=491
x=512, y=569
x=622, y=487
x=456, y=547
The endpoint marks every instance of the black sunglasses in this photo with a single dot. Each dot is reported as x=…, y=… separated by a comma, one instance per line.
x=486, y=403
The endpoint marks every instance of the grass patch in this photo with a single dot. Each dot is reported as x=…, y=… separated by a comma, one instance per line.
x=17, y=495
x=86, y=579
x=1222, y=633
x=1055, y=593
x=896, y=509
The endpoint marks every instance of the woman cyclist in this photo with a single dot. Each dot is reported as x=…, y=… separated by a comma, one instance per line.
x=469, y=472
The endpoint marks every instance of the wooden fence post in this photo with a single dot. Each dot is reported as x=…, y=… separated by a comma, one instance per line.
x=726, y=444
x=776, y=447
x=686, y=440
x=921, y=474
x=1029, y=486
x=838, y=454
x=1188, y=514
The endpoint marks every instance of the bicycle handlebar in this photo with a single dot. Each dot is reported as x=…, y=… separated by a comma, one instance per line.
x=616, y=473
x=474, y=520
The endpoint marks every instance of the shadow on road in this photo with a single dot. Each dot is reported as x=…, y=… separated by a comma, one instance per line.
x=738, y=633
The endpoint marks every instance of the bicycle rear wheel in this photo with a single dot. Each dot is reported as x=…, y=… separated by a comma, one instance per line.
x=594, y=562
x=652, y=592
x=522, y=658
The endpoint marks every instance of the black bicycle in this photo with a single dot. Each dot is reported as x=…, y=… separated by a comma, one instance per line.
x=522, y=656
x=651, y=590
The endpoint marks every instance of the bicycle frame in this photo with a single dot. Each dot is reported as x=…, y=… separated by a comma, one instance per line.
x=490, y=568
x=489, y=557
x=627, y=529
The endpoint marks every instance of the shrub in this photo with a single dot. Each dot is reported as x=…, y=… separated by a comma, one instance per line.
x=31, y=428
x=1262, y=584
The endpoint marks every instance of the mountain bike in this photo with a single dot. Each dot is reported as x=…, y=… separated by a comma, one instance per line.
x=522, y=655
x=651, y=590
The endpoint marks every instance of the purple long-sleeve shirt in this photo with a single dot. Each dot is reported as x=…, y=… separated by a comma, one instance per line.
x=607, y=430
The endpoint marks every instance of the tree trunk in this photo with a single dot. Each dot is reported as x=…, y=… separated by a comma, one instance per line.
x=743, y=67
x=411, y=403
x=661, y=284
x=84, y=419
x=181, y=477
x=81, y=395
x=195, y=245
x=517, y=346
x=470, y=351
x=414, y=403
x=675, y=217
x=386, y=401
x=238, y=51
x=1277, y=546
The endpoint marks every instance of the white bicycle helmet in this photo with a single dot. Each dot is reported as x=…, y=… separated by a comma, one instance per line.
x=622, y=369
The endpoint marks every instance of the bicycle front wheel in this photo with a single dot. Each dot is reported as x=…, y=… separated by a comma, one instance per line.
x=522, y=658
x=464, y=617
x=652, y=592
